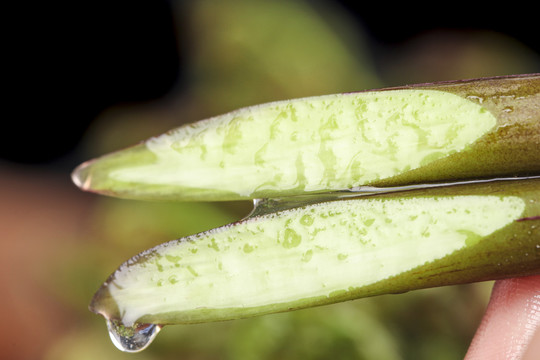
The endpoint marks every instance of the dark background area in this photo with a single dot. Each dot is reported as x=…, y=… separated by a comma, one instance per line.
x=68, y=62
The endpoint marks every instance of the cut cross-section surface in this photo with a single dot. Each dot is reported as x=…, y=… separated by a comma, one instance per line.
x=297, y=257
x=315, y=144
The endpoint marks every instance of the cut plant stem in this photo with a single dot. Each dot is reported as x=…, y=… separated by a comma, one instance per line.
x=416, y=134
x=332, y=251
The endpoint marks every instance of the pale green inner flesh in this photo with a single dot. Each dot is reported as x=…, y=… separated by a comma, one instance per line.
x=322, y=143
x=320, y=250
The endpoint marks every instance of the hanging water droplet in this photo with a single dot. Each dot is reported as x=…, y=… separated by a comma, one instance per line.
x=132, y=339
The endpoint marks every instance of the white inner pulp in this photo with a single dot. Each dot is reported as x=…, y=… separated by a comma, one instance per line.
x=326, y=142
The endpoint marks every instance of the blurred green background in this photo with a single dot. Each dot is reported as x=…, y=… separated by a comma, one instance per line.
x=94, y=77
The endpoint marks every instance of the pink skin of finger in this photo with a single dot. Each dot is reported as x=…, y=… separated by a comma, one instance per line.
x=510, y=328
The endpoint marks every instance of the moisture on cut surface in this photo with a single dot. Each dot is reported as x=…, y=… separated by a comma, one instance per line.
x=329, y=142
x=317, y=251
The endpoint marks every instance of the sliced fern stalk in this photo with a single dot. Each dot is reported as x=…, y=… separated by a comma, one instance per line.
x=415, y=134
x=332, y=251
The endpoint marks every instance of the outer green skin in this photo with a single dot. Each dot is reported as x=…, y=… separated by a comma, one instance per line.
x=510, y=149
x=513, y=250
